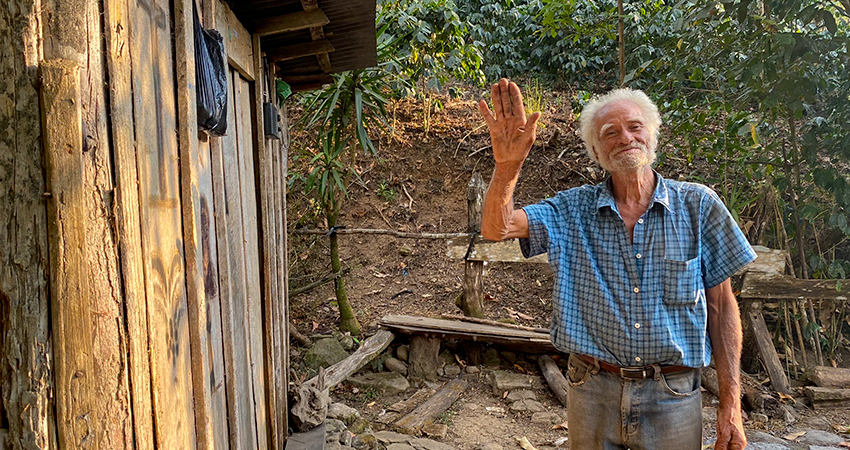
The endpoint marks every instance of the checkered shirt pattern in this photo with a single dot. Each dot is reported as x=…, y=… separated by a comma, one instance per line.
x=643, y=302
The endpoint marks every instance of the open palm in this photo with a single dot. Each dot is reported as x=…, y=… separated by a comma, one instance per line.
x=510, y=132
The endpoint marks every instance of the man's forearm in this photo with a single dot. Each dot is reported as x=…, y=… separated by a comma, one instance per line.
x=499, y=219
x=724, y=330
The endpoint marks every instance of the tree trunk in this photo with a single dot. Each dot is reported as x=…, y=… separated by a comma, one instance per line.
x=347, y=319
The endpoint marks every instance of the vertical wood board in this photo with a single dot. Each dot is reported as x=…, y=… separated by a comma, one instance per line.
x=238, y=44
x=160, y=213
x=71, y=310
x=245, y=143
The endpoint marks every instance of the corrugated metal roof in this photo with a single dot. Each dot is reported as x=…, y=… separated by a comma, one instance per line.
x=351, y=31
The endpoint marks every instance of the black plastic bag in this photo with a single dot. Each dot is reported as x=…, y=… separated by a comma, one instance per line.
x=210, y=79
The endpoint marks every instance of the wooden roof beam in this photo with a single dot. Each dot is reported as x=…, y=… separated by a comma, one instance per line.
x=298, y=50
x=291, y=22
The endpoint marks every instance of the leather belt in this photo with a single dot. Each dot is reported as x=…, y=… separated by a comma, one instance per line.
x=634, y=373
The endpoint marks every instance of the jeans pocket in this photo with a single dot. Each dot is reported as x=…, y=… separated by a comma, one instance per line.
x=578, y=371
x=681, y=384
x=681, y=281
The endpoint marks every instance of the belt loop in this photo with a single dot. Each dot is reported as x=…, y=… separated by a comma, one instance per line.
x=594, y=369
x=656, y=372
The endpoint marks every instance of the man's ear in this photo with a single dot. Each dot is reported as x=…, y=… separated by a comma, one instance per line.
x=595, y=154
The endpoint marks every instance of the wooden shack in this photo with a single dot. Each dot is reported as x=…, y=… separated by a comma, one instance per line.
x=143, y=273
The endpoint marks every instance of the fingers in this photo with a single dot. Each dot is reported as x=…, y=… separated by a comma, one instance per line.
x=516, y=99
x=485, y=111
x=496, y=98
x=532, y=121
x=505, y=95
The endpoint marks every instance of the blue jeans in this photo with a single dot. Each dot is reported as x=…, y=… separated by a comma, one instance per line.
x=606, y=411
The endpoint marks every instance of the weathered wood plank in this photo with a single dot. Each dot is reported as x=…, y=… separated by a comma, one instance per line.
x=768, y=261
x=110, y=359
x=271, y=295
x=830, y=377
x=238, y=43
x=828, y=398
x=778, y=379
x=117, y=34
x=251, y=240
x=232, y=281
x=470, y=330
x=287, y=52
x=26, y=356
x=786, y=287
x=77, y=425
x=198, y=226
x=290, y=22
x=280, y=161
x=554, y=378
x=424, y=357
x=427, y=412
x=504, y=251
x=368, y=351
x=309, y=440
x=159, y=202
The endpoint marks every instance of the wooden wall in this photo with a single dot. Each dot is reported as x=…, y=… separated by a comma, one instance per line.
x=164, y=326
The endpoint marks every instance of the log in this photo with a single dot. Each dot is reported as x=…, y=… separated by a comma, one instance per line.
x=828, y=398
x=310, y=403
x=830, y=377
x=473, y=284
x=367, y=352
x=427, y=412
x=554, y=378
x=778, y=379
x=493, y=322
x=424, y=357
x=750, y=395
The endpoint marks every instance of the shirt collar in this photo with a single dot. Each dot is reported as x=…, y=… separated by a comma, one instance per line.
x=605, y=197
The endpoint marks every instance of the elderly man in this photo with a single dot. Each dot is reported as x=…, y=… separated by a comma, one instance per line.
x=642, y=297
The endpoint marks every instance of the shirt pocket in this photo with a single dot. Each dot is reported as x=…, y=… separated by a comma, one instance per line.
x=681, y=282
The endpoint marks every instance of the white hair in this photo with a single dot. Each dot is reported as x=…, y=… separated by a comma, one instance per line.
x=590, y=132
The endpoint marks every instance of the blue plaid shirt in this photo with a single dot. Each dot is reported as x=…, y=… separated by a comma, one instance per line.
x=643, y=302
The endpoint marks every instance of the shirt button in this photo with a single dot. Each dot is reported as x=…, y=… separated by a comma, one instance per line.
x=637, y=358
x=640, y=220
x=636, y=290
x=638, y=256
x=637, y=325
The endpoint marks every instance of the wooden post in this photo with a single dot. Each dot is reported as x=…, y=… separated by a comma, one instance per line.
x=424, y=357
x=473, y=286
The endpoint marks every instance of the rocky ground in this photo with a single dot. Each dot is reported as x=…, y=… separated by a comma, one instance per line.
x=418, y=184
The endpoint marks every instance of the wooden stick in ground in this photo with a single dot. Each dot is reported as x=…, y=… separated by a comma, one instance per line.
x=493, y=322
x=428, y=412
x=304, y=340
x=554, y=377
x=790, y=361
x=368, y=351
x=473, y=285
x=816, y=328
x=800, y=336
x=315, y=284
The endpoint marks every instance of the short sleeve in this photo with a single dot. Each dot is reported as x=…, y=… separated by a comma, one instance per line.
x=724, y=248
x=539, y=224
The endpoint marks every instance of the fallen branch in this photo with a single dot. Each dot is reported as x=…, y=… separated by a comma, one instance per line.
x=428, y=412
x=493, y=322
x=316, y=284
x=368, y=351
x=398, y=234
x=554, y=378
x=304, y=340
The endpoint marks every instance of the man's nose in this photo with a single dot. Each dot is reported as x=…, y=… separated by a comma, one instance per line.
x=626, y=137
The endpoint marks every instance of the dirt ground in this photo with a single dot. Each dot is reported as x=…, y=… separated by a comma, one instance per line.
x=418, y=184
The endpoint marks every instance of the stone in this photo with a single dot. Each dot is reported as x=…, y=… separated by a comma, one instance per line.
x=429, y=444
x=509, y=356
x=346, y=341
x=502, y=380
x=760, y=436
x=759, y=418
x=491, y=357
x=709, y=414
x=446, y=358
x=819, y=423
x=343, y=412
x=395, y=365
x=440, y=372
x=546, y=418
x=521, y=394
x=489, y=446
x=389, y=383
x=364, y=441
x=473, y=369
x=333, y=426
x=359, y=425
x=405, y=251
x=402, y=352
x=399, y=446
x=452, y=370
x=817, y=437
x=345, y=438
x=435, y=430
x=336, y=446
x=527, y=405
x=325, y=353
x=390, y=437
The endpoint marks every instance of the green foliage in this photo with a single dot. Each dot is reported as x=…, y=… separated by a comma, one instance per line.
x=386, y=191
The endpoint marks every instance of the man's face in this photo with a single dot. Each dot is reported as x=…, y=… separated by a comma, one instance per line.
x=624, y=142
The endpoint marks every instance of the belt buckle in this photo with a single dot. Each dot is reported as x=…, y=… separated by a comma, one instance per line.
x=637, y=373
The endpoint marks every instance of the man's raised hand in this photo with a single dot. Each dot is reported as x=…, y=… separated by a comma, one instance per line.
x=510, y=132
